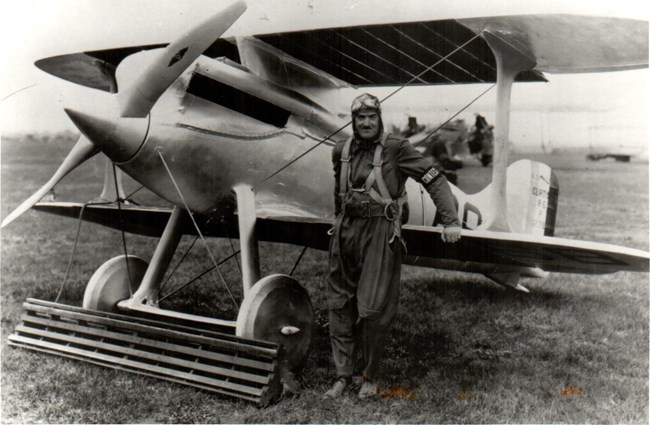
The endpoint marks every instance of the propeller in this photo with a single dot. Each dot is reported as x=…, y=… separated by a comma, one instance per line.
x=82, y=151
x=138, y=99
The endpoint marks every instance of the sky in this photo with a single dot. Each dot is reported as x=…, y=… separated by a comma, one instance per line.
x=33, y=101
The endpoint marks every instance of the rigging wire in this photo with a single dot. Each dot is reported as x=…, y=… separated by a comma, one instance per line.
x=119, y=208
x=74, y=247
x=295, y=266
x=232, y=247
x=454, y=116
x=196, y=226
x=381, y=101
x=187, y=251
x=74, y=250
x=128, y=197
x=203, y=273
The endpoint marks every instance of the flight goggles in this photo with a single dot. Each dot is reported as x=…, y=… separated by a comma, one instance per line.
x=365, y=101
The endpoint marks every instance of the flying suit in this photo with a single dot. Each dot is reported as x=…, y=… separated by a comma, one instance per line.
x=366, y=249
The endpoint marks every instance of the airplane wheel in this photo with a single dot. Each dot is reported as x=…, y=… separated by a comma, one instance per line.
x=110, y=283
x=277, y=309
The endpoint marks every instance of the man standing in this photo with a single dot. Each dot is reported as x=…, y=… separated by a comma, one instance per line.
x=366, y=247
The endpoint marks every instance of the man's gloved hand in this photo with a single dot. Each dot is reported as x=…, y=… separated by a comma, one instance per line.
x=451, y=234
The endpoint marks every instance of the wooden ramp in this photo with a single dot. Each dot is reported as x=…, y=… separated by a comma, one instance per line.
x=213, y=361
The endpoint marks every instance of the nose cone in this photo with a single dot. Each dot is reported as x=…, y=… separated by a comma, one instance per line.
x=119, y=138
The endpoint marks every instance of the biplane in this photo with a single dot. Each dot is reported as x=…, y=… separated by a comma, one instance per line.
x=236, y=132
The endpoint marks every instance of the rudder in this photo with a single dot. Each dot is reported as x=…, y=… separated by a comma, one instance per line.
x=532, y=193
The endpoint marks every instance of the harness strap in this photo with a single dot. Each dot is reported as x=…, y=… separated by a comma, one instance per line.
x=345, y=169
x=382, y=197
x=377, y=176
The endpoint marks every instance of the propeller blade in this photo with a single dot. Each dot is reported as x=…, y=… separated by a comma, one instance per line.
x=137, y=100
x=81, y=152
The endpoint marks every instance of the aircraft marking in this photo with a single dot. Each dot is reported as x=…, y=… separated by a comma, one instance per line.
x=178, y=56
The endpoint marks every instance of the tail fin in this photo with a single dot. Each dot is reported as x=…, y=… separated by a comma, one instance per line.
x=532, y=194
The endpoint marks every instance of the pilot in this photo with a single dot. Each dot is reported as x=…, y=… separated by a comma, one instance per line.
x=366, y=247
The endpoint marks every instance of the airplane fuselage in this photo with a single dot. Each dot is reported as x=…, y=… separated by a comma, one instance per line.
x=198, y=143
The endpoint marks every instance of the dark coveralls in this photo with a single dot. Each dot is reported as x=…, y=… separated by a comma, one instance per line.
x=364, y=284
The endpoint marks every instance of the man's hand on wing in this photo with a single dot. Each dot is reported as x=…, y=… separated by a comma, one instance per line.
x=451, y=234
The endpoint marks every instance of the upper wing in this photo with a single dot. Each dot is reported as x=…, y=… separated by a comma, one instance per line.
x=91, y=69
x=547, y=253
x=401, y=53
x=570, y=43
x=375, y=55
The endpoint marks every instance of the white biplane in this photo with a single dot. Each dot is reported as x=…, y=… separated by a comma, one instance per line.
x=241, y=128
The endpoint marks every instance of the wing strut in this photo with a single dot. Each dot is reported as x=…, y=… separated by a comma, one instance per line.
x=510, y=62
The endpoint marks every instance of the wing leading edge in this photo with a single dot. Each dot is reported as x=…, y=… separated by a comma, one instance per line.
x=547, y=253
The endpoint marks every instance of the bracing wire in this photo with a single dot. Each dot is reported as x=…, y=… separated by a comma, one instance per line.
x=288, y=164
x=295, y=266
x=454, y=116
x=74, y=250
x=187, y=251
x=119, y=209
x=232, y=247
x=200, y=275
x=134, y=192
x=74, y=247
x=196, y=226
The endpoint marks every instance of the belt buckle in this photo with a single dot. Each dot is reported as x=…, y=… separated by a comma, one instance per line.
x=365, y=209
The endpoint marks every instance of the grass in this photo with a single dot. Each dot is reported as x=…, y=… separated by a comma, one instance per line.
x=464, y=350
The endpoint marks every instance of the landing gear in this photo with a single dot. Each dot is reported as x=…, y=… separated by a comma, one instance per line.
x=278, y=309
x=275, y=308
x=114, y=281
x=276, y=315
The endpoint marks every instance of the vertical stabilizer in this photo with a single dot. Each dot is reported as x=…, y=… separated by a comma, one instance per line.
x=532, y=193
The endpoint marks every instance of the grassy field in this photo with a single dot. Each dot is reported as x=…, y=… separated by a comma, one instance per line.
x=463, y=350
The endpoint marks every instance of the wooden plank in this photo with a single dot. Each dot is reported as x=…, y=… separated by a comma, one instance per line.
x=122, y=350
x=240, y=346
x=135, y=364
x=223, y=327
x=70, y=311
x=137, y=319
x=147, y=342
x=141, y=372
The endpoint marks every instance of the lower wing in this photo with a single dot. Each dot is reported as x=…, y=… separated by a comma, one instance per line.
x=481, y=247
